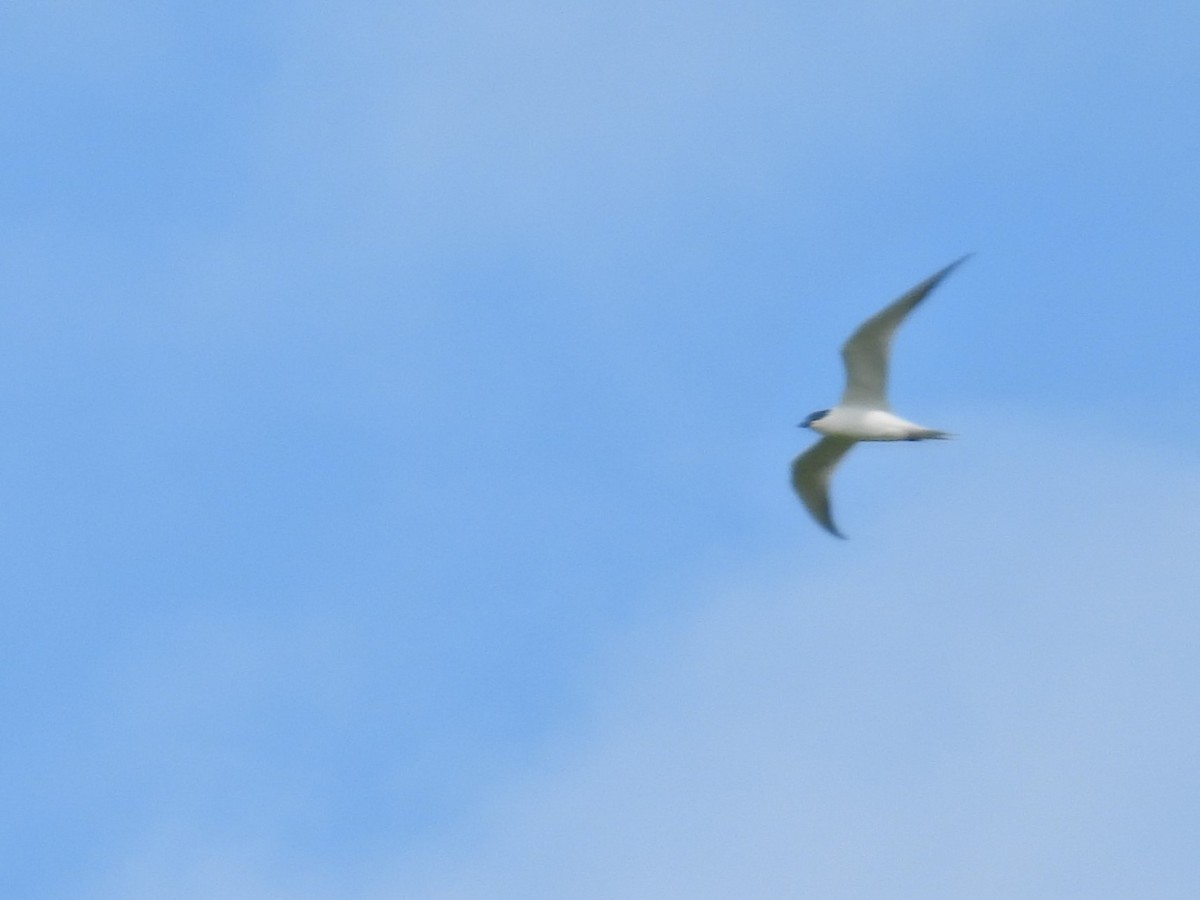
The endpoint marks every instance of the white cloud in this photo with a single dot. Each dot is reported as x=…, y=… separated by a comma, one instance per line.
x=990, y=697
x=1009, y=720
x=986, y=693
x=110, y=43
x=474, y=118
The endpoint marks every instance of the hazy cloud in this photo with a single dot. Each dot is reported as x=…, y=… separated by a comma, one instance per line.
x=991, y=699
x=955, y=704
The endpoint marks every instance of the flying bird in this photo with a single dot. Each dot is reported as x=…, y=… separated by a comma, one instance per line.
x=863, y=414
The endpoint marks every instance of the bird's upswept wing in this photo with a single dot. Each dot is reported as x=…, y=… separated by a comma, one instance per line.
x=811, y=471
x=866, y=352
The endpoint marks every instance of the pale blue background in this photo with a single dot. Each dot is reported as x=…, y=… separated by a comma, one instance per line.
x=398, y=400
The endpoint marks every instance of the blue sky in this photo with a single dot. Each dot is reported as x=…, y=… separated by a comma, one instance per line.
x=399, y=405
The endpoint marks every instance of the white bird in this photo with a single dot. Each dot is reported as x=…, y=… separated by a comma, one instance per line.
x=863, y=414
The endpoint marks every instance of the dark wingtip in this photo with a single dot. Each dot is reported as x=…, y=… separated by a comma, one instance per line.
x=954, y=265
x=922, y=290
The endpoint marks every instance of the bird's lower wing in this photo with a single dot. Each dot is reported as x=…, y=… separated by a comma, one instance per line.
x=811, y=472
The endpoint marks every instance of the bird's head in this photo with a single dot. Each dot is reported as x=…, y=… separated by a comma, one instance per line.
x=819, y=414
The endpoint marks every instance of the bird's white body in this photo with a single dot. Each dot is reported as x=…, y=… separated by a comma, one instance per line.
x=860, y=424
x=864, y=413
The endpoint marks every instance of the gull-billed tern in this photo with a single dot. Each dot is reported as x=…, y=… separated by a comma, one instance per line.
x=863, y=414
